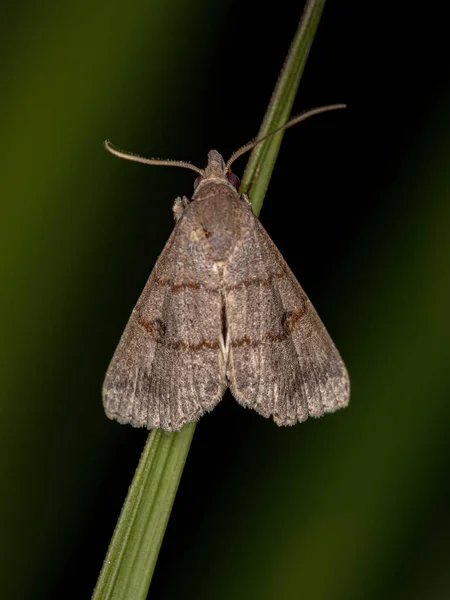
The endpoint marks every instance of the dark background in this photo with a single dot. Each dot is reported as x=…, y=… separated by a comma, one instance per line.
x=355, y=505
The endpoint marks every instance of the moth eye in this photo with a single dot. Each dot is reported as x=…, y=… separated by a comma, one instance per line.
x=233, y=179
x=197, y=181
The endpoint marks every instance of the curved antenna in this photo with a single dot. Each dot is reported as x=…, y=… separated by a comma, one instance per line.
x=301, y=117
x=149, y=161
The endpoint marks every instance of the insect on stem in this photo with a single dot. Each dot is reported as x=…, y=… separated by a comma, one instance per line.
x=194, y=332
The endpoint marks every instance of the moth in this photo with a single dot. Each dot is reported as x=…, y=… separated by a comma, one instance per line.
x=220, y=310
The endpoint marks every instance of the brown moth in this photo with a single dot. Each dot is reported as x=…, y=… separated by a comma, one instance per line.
x=222, y=309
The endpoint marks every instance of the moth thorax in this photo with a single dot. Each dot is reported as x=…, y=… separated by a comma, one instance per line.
x=216, y=216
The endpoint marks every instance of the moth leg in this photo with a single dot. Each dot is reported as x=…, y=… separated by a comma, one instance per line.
x=178, y=206
x=244, y=196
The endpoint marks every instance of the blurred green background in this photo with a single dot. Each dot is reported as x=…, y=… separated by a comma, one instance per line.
x=355, y=505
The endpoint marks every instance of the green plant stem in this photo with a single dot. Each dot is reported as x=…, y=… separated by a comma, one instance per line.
x=133, y=551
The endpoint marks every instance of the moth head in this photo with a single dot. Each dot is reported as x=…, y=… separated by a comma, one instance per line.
x=216, y=165
x=217, y=171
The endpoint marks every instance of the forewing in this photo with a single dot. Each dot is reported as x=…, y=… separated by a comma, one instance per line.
x=282, y=362
x=168, y=367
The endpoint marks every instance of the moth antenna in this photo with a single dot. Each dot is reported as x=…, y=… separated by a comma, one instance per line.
x=301, y=117
x=149, y=161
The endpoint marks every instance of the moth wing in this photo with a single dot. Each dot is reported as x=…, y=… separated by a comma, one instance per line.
x=168, y=367
x=282, y=361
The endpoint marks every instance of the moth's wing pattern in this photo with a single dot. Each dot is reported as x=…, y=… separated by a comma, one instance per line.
x=168, y=367
x=282, y=362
